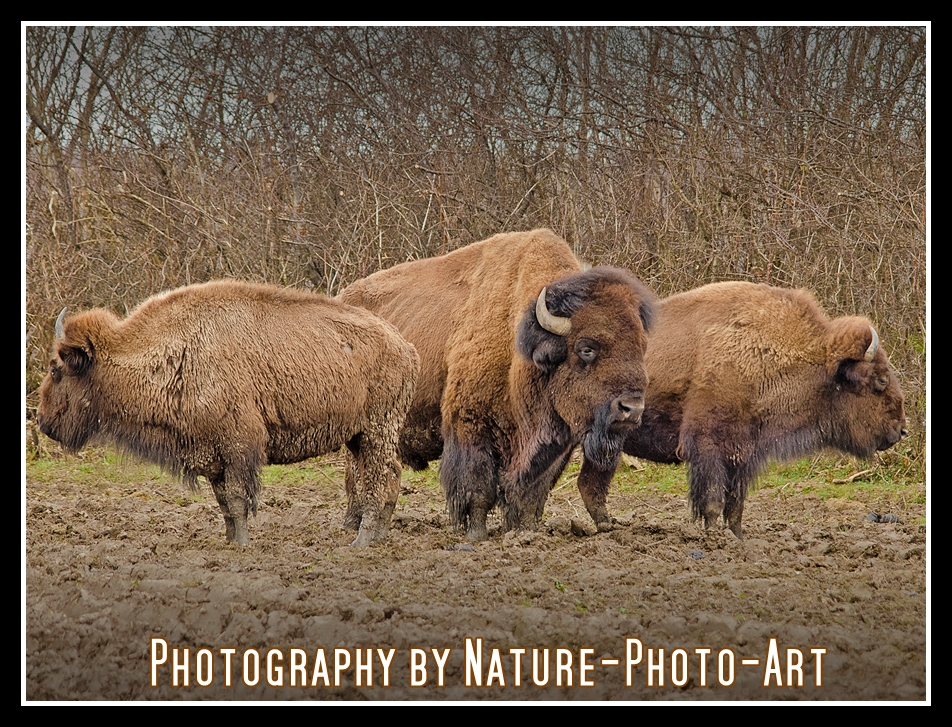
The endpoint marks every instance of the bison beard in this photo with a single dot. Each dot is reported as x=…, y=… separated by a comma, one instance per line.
x=602, y=445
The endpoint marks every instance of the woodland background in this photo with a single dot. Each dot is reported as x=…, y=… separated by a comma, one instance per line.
x=312, y=156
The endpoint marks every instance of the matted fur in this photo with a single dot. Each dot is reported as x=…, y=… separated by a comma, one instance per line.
x=219, y=379
x=503, y=400
x=744, y=373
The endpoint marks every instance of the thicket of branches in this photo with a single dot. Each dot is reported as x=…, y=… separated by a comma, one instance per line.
x=158, y=157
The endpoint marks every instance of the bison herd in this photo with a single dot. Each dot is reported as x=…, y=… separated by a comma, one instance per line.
x=497, y=359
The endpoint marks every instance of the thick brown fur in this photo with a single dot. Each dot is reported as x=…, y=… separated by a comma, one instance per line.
x=503, y=400
x=742, y=374
x=217, y=380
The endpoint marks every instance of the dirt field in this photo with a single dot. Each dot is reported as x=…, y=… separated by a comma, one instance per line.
x=815, y=584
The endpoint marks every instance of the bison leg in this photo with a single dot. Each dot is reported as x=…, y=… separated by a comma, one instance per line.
x=218, y=487
x=593, y=487
x=740, y=478
x=733, y=514
x=717, y=489
x=352, y=488
x=373, y=486
x=232, y=495
x=523, y=501
x=469, y=475
x=707, y=478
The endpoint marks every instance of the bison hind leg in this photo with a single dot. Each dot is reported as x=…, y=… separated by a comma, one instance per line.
x=707, y=479
x=733, y=514
x=717, y=490
x=740, y=479
x=353, y=491
x=372, y=483
x=469, y=475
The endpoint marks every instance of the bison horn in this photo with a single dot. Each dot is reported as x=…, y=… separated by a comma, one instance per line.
x=553, y=324
x=59, y=325
x=873, y=346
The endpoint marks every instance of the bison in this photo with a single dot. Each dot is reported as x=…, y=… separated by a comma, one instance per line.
x=219, y=379
x=744, y=373
x=523, y=356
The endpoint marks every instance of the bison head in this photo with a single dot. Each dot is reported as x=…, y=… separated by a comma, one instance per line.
x=865, y=399
x=68, y=410
x=586, y=336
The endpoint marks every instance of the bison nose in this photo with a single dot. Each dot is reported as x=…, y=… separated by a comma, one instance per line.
x=46, y=429
x=628, y=407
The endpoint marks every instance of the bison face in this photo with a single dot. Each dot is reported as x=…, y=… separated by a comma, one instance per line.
x=586, y=336
x=66, y=412
x=866, y=400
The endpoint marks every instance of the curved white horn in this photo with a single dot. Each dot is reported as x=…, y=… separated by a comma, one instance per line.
x=553, y=324
x=873, y=346
x=59, y=325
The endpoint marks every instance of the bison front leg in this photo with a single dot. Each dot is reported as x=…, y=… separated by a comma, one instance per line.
x=470, y=479
x=231, y=491
x=218, y=487
x=522, y=496
x=593, y=485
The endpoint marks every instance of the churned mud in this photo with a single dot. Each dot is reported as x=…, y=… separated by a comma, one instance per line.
x=125, y=581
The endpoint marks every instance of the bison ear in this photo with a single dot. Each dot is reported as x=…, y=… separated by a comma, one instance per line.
x=76, y=359
x=647, y=310
x=849, y=339
x=546, y=350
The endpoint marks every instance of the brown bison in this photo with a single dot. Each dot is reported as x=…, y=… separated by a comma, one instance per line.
x=216, y=380
x=523, y=357
x=744, y=373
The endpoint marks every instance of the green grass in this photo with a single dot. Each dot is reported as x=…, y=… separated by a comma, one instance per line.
x=889, y=479
x=329, y=470
x=96, y=465
x=821, y=475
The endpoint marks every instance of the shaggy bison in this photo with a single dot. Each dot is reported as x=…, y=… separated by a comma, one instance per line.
x=523, y=357
x=216, y=380
x=744, y=373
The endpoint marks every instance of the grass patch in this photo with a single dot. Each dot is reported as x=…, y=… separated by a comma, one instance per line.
x=324, y=471
x=101, y=465
x=107, y=466
x=887, y=480
x=825, y=475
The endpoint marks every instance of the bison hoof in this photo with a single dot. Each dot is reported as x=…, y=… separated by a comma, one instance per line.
x=605, y=526
x=363, y=539
x=476, y=533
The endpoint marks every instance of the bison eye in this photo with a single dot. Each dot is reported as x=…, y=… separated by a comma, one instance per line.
x=586, y=349
x=881, y=383
x=55, y=373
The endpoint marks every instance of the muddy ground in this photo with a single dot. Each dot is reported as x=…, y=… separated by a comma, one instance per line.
x=111, y=567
